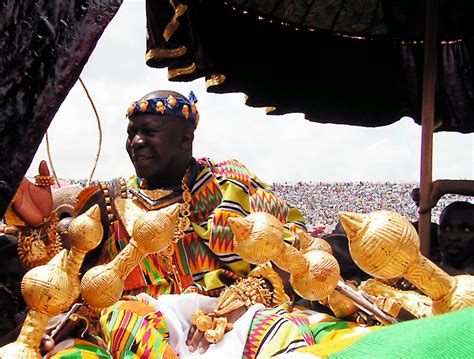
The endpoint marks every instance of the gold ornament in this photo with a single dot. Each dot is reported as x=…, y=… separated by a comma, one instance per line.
x=85, y=233
x=36, y=246
x=258, y=238
x=152, y=232
x=267, y=272
x=244, y=293
x=386, y=245
x=50, y=289
x=341, y=305
x=45, y=290
x=185, y=111
x=44, y=181
x=160, y=107
x=172, y=101
x=130, y=109
x=415, y=303
x=143, y=105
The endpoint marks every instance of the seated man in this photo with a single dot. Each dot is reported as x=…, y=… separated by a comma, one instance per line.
x=456, y=238
x=160, y=137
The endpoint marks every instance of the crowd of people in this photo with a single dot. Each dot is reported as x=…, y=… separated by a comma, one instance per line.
x=321, y=202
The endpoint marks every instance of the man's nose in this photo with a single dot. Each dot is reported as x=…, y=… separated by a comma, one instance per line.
x=137, y=140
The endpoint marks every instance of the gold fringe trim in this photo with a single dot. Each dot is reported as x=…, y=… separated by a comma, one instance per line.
x=172, y=73
x=165, y=53
x=174, y=24
x=270, y=109
x=215, y=80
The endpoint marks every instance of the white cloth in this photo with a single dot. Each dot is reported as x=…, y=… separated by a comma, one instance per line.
x=178, y=309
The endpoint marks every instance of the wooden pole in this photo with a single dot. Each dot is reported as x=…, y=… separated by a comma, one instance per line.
x=427, y=120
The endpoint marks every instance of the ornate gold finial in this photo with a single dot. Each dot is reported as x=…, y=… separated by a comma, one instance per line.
x=258, y=238
x=153, y=231
x=85, y=233
x=386, y=245
x=45, y=290
x=382, y=243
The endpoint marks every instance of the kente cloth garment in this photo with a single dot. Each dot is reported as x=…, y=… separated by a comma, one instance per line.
x=204, y=258
x=206, y=253
x=137, y=328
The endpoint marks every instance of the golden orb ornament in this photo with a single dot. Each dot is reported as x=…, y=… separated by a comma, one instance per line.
x=258, y=238
x=386, y=245
x=320, y=277
x=152, y=232
x=45, y=290
x=382, y=243
x=101, y=286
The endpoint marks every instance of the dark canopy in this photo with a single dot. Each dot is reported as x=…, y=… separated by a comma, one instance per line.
x=353, y=62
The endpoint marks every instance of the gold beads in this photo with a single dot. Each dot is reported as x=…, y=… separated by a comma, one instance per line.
x=44, y=181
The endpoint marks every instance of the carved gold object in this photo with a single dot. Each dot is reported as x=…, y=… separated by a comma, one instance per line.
x=386, y=245
x=85, y=233
x=46, y=292
x=258, y=238
x=415, y=303
x=267, y=272
x=51, y=289
x=341, y=305
x=152, y=232
x=247, y=292
x=36, y=246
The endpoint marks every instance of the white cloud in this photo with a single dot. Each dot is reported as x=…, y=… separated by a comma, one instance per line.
x=277, y=148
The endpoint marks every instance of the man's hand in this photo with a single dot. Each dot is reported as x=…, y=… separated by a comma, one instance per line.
x=196, y=340
x=34, y=203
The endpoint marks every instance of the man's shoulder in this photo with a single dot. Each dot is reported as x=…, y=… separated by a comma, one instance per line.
x=231, y=170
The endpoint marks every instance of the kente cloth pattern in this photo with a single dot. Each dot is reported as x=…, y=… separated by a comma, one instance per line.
x=282, y=330
x=134, y=329
x=206, y=253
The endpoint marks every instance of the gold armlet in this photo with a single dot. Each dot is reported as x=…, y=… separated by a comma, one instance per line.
x=267, y=272
x=36, y=246
x=44, y=181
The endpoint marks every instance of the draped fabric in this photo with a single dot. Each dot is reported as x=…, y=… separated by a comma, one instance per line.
x=347, y=62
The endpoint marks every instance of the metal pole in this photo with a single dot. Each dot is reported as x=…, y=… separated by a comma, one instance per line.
x=427, y=121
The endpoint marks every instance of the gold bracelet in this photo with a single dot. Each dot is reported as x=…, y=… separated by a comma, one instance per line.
x=44, y=181
x=36, y=246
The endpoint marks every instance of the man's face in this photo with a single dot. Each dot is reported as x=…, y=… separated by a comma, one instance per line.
x=456, y=235
x=154, y=145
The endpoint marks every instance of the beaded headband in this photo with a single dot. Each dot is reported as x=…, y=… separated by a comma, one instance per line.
x=171, y=106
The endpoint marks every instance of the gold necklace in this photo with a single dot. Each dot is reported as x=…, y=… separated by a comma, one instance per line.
x=182, y=224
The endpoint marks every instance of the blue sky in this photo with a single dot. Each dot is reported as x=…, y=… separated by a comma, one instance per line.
x=277, y=148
